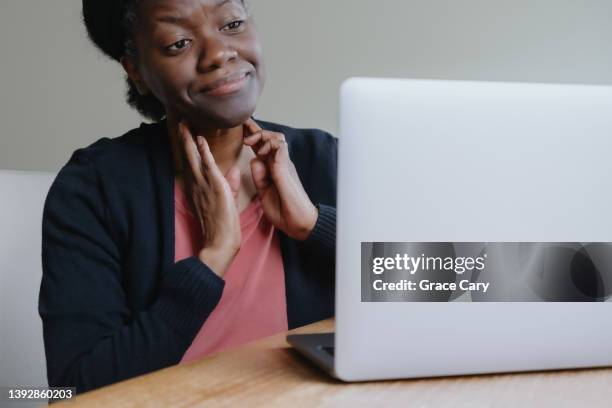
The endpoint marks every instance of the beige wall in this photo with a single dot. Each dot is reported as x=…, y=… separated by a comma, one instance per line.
x=58, y=93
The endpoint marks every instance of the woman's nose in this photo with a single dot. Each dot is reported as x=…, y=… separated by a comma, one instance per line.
x=215, y=53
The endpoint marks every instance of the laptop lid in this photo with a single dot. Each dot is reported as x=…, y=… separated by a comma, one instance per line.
x=424, y=161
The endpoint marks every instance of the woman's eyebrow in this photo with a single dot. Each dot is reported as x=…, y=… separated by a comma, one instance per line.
x=221, y=3
x=171, y=19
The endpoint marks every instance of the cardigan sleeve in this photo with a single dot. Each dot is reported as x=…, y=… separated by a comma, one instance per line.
x=91, y=336
x=323, y=235
x=324, y=232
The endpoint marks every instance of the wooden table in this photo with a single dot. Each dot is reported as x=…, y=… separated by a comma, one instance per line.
x=269, y=373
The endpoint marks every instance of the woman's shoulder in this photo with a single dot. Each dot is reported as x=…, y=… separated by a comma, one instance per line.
x=130, y=145
x=117, y=160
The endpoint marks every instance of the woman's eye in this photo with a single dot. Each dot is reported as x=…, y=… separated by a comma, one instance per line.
x=234, y=25
x=179, y=45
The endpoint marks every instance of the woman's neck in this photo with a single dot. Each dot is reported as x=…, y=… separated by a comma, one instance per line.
x=226, y=145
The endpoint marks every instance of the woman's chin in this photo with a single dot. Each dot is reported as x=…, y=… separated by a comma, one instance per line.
x=235, y=120
x=226, y=111
x=222, y=120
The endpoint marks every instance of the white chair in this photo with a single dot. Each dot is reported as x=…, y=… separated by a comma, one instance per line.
x=22, y=356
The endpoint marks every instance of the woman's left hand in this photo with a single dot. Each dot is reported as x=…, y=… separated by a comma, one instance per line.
x=283, y=199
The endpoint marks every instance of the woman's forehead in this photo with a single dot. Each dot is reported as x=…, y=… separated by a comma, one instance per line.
x=184, y=8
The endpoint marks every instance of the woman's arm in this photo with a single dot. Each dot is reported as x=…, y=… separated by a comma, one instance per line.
x=92, y=337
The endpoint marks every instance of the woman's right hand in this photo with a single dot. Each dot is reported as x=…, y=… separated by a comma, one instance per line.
x=213, y=196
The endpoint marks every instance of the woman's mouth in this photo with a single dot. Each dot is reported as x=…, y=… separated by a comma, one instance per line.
x=228, y=85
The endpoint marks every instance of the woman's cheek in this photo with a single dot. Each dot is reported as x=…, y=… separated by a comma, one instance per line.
x=173, y=87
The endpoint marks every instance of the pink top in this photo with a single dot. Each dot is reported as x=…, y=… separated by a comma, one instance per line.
x=253, y=303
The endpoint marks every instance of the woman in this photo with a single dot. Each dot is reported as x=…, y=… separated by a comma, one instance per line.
x=196, y=233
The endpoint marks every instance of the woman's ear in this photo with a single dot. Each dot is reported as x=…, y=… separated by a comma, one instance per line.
x=130, y=68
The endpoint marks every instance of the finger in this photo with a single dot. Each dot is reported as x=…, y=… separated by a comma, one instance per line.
x=192, y=155
x=253, y=138
x=275, y=145
x=208, y=161
x=257, y=140
x=276, y=142
x=227, y=186
x=251, y=131
x=251, y=127
x=233, y=179
x=265, y=149
x=260, y=175
x=266, y=137
x=282, y=152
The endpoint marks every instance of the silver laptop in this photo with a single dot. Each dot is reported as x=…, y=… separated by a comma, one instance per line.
x=473, y=231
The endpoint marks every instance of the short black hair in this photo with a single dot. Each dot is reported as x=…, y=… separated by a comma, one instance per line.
x=110, y=25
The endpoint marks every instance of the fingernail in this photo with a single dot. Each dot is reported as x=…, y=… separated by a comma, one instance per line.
x=200, y=141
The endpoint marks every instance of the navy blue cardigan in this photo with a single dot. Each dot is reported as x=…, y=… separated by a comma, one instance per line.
x=113, y=302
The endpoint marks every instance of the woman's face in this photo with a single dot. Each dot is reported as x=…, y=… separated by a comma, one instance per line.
x=201, y=58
